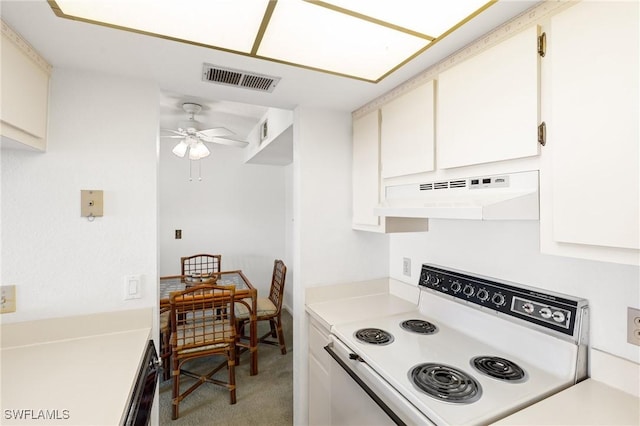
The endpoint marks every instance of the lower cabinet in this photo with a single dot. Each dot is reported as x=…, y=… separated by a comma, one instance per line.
x=319, y=369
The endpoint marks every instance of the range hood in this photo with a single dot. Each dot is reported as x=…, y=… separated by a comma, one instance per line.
x=512, y=196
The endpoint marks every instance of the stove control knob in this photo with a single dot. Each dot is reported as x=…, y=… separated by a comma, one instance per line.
x=455, y=286
x=558, y=316
x=355, y=357
x=528, y=308
x=545, y=313
x=498, y=299
x=433, y=280
x=483, y=294
x=468, y=290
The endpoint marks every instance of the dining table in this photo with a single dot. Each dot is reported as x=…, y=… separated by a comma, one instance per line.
x=245, y=293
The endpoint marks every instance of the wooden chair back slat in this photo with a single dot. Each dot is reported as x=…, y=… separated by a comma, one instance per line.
x=200, y=264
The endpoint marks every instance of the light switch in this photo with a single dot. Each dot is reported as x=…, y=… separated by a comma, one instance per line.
x=132, y=287
x=91, y=203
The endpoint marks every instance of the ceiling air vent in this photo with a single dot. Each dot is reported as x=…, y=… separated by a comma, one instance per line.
x=238, y=78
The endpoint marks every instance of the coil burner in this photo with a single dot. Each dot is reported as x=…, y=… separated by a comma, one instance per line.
x=499, y=368
x=445, y=383
x=419, y=326
x=374, y=336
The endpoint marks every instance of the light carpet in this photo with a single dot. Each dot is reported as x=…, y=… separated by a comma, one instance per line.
x=265, y=399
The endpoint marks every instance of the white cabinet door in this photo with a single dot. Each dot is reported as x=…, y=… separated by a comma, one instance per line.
x=319, y=381
x=25, y=92
x=366, y=169
x=367, y=182
x=591, y=199
x=488, y=106
x=407, y=133
x=319, y=394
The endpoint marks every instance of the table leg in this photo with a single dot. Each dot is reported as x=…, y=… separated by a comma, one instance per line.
x=253, y=334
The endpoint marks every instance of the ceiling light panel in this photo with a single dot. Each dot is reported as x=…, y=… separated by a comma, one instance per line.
x=226, y=24
x=364, y=39
x=318, y=37
x=432, y=18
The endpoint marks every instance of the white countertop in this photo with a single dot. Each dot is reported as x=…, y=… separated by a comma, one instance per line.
x=588, y=403
x=356, y=301
x=79, y=380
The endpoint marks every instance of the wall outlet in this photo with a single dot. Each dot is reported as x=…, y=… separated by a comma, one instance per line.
x=8, y=299
x=406, y=266
x=633, y=326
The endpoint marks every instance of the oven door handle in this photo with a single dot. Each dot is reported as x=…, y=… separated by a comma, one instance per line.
x=363, y=385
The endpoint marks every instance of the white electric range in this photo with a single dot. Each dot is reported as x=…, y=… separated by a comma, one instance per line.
x=473, y=351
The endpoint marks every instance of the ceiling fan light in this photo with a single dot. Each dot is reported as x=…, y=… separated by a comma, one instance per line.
x=180, y=149
x=198, y=151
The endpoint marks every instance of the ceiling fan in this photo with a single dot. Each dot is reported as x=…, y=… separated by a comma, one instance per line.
x=193, y=138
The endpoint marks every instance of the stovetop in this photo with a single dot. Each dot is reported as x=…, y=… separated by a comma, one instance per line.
x=469, y=317
x=394, y=362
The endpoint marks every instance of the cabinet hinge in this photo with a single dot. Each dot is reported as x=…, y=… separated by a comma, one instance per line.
x=542, y=44
x=542, y=134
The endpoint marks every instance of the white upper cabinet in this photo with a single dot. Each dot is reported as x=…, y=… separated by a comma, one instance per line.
x=25, y=92
x=590, y=168
x=407, y=133
x=488, y=105
x=367, y=182
x=366, y=165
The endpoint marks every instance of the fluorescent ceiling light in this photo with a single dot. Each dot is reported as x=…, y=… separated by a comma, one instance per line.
x=304, y=33
x=429, y=17
x=226, y=24
x=363, y=39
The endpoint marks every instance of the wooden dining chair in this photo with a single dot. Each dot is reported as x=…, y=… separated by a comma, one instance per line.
x=202, y=324
x=200, y=264
x=268, y=309
x=165, y=345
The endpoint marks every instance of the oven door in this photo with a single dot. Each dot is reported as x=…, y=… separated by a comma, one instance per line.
x=138, y=412
x=361, y=396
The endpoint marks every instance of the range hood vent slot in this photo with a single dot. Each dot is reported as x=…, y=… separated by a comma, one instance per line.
x=426, y=186
x=239, y=78
x=441, y=185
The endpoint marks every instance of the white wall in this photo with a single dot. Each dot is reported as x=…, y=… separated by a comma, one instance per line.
x=509, y=250
x=278, y=120
x=237, y=210
x=102, y=135
x=326, y=249
x=289, y=243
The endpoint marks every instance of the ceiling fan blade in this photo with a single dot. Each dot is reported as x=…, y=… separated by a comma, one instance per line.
x=177, y=132
x=216, y=132
x=229, y=141
x=172, y=136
